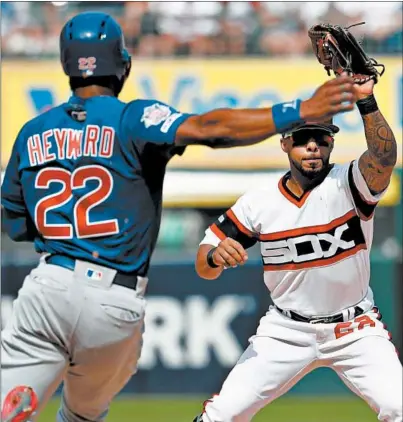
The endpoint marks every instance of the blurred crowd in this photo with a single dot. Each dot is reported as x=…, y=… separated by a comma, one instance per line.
x=195, y=28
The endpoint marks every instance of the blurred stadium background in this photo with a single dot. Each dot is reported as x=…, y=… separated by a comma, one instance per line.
x=197, y=56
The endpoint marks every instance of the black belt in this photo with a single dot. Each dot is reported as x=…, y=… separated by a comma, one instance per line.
x=319, y=320
x=120, y=279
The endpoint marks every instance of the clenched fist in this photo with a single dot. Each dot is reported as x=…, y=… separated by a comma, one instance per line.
x=229, y=253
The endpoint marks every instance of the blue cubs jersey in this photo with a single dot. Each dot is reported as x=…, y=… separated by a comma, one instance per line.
x=85, y=180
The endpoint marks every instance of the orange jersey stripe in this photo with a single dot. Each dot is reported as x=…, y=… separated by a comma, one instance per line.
x=238, y=224
x=308, y=230
x=214, y=228
x=298, y=202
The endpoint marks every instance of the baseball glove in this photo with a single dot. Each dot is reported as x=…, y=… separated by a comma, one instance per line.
x=338, y=50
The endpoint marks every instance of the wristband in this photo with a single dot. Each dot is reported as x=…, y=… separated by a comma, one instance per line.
x=286, y=115
x=367, y=105
x=210, y=261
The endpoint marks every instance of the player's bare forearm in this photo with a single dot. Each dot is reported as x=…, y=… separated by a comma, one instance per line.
x=224, y=128
x=211, y=261
x=202, y=267
x=377, y=163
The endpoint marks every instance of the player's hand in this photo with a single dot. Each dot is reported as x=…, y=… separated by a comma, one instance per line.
x=229, y=253
x=364, y=90
x=335, y=96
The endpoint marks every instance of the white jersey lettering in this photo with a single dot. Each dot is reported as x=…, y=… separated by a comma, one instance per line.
x=315, y=249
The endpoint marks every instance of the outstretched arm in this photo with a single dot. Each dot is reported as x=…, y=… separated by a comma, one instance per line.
x=223, y=128
x=377, y=162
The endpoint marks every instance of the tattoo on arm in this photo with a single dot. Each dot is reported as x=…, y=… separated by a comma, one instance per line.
x=376, y=164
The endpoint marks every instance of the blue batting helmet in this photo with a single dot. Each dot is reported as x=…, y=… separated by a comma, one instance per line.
x=92, y=44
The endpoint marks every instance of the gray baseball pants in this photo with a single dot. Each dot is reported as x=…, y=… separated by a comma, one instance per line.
x=66, y=327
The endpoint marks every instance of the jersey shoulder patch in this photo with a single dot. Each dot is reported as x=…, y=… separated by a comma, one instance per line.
x=155, y=114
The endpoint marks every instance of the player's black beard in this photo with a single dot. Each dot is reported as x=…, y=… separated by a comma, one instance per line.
x=313, y=173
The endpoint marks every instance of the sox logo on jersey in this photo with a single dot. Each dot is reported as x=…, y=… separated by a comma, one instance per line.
x=301, y=238
x=314, y=247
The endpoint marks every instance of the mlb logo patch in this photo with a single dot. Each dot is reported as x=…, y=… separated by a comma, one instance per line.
x=155, y=114
x=93, y=274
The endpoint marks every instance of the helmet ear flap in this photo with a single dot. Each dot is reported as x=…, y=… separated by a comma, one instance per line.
x=127, y=62
x=128, y=66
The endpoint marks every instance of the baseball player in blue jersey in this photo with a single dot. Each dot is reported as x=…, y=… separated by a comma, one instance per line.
x=84, y=184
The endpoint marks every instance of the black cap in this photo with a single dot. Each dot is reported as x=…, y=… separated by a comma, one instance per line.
x=325, y=126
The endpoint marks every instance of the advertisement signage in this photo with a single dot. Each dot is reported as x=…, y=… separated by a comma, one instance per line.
x=30, y=88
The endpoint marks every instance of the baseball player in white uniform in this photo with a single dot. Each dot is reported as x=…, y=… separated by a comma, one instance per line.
x=315, y=228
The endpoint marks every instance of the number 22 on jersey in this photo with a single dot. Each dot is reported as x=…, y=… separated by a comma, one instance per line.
x=68, y=182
